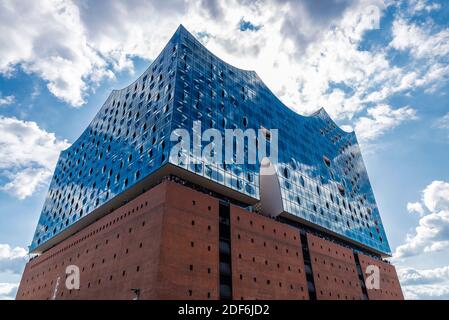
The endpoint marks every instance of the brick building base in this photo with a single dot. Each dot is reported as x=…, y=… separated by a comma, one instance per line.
x=171, y=243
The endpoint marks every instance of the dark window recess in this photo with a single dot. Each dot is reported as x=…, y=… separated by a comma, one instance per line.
x=225, y=247
x=361, y=279
x=225, y=291
x=225, y=269
x=225, y=251
x=307, y=265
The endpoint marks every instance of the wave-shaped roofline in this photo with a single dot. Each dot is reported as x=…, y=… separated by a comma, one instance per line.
x=181, y=28
x=313, y=114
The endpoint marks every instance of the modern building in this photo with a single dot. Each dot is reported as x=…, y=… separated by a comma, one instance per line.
x=141, y=221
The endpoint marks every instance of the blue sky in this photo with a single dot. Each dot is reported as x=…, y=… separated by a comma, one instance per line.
x=60, y=59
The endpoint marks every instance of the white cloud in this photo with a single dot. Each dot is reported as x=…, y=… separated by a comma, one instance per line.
x=24, y=182
x=28, y=155
x=5, y=101
x=420, y=40
x=6, y=252
x=425, y=284
x=429, y=50
x=381, y=119
x=417, y=207
x=73, y=45
x=12, y=262
x=8, y=290
x=422, y=5
x=47, y=38
x=436, y=196
x=12, y=259
x=432, y=232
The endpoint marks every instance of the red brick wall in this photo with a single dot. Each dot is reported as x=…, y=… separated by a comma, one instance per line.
x=334, y=270
x=189, y=246
x=267, y=261
x=166, y=243
x=390, y=289
x=145, y=244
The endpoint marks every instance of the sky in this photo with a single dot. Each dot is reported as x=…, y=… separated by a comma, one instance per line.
x=378, y=67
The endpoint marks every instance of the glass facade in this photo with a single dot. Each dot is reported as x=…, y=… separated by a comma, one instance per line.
x=320, y=168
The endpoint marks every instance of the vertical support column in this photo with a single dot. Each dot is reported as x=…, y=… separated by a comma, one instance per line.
x=307, y=265
x=225, y=251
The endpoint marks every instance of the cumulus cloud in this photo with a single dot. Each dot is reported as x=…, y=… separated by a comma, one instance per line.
x=428, y=48
x=24, y=182
x=8, y=290
x=431, y=235
x=415, y=207
x=305, y=21
x=28, y=155
x=48, y=39
x=381, y=119
x=432, y=232
x=436, y=196
x=425, y=284
x=73, y=45
x=420, y=40
x=12, y=259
